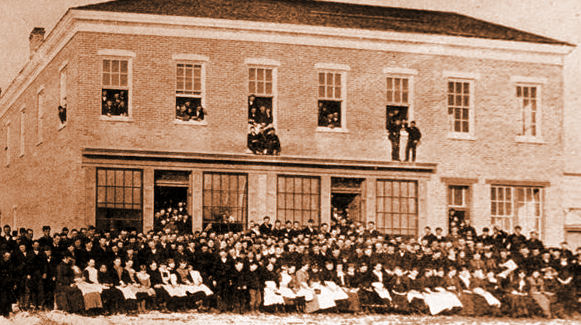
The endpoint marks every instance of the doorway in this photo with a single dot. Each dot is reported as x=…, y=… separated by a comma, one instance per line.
x=348, y=198
x=172, y=201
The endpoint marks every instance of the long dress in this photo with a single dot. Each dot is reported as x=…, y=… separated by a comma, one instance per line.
x=519, y=298
x=537, y=288
x=91, y=289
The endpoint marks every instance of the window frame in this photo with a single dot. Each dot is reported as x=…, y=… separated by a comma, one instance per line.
x=379, y=212
x=7, y=147
x=402, y=73
x=513, y=200
x=470, y=78
x=106, y=186
x=538, y=83
x=121, y=55
x=294, y=193
x=40, y=111
x=471, y=111
x=244, y=208
x=466, y=199
x=335, y=69
x=192, y=59
x=63, y=91
x=264, y=64
x=22, y=133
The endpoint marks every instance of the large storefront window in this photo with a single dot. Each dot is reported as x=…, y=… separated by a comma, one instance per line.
x=225, y=200
x=119, y=199
x=298, y=199
x=397, y=207
x=516, y=205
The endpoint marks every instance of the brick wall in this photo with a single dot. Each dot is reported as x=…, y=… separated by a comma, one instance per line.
x=493, y=155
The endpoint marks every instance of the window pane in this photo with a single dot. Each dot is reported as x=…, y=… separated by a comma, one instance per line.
x=123, y=66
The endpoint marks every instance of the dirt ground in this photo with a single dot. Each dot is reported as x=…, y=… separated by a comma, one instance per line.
x=58, y=318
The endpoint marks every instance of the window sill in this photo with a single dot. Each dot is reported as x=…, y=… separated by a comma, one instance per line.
x=200, y=123
x=461, y=136
x=62, y=126
x=331, y=130
x=532, y=140
x=116, y=119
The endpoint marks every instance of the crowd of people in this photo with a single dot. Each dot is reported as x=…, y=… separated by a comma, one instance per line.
x=114, y=102
x=190, y=112
x=287, y=267
x=262, y=138
x=173, y=219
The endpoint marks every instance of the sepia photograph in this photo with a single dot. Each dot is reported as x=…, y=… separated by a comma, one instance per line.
x=290, y=162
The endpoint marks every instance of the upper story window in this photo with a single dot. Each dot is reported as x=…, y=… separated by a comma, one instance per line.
x=398, y=99
x=22, y=131
x=528, y=100
x=460, y=109
x=190, y=91
x=40, y=115
x=331, y=99
x=261, y=95
x=62, y=108
x=7, y=144
x=115, y=90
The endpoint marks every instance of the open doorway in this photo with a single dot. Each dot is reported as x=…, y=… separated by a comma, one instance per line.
x=172, y=202
x=347, y=204
x=347, y=199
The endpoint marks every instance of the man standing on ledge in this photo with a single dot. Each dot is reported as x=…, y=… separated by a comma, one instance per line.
x=394, y=128
x=414, y=136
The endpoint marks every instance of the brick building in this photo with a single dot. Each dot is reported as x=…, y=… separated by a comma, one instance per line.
x=487, y=98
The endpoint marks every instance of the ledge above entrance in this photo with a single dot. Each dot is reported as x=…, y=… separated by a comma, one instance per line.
x=92, y=154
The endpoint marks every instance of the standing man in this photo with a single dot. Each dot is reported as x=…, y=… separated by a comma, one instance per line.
x=414, y=136
x=394, y=128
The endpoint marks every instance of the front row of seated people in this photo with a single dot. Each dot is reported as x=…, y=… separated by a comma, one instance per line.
x=242, y=285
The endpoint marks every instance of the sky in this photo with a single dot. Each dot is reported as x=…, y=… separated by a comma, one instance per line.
x=560, y=19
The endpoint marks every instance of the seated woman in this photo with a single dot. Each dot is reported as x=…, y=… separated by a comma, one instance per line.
x=521, y=303
x=123, y=283
x=438, y=298
x=485, y=302
x=288, y=287
x=176, y=293
x=144, y=288
x=379, y=280
x=161, y=297
x=90, y=287
x=346, y=280
x=537, y=292
x=111, y=297
x=272, y=297
x=415, y=294
x=323, y=297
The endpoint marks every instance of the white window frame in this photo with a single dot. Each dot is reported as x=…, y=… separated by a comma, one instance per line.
x=63, y=90
x=538, y=83
x=114, y=54
x=193, y=59
x=260, y=63
x=469, y=78
x=336, y=69
x=40, y=108
x=403, y=73
x=513, y=215
x=7, y=148
x=22, y=136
